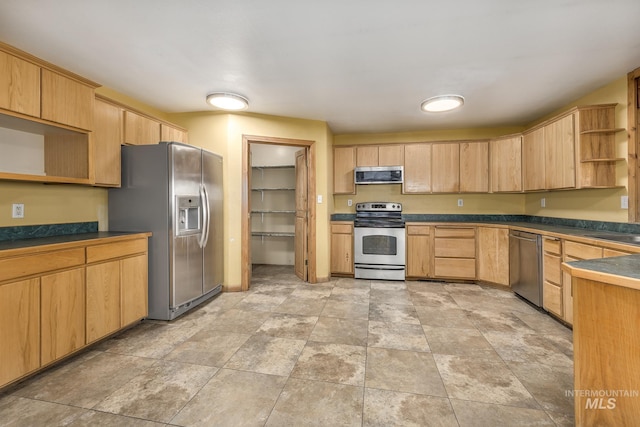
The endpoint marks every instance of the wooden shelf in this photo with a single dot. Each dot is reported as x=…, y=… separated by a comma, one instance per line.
x=274, y=167
x=272, y=234
x=273, y=189
x=592, y=131
x=43, y=178
x=274, y=211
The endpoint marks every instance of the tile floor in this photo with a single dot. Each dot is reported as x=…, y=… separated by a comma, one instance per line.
x=344, y=353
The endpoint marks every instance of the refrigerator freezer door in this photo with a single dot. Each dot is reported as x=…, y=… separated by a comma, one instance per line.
x=213, y=250
x=187, y=275
x=186, y=263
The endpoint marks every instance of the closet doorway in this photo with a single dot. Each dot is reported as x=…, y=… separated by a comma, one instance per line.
x=278, y=212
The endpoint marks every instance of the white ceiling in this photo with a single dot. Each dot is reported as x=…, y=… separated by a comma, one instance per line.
x=360, y=65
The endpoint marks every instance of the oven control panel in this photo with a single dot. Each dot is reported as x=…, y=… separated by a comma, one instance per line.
x=379, y=207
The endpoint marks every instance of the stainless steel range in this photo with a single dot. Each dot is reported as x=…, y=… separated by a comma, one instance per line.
x=379, y=241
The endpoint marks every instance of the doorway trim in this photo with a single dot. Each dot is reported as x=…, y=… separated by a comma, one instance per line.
x=633, y=143
x=245, y=244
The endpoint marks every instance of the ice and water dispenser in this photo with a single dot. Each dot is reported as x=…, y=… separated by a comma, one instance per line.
x=189, y=218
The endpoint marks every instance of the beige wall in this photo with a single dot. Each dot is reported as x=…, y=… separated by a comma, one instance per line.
x=52, y=204
x=223, y=133
x=602, y=205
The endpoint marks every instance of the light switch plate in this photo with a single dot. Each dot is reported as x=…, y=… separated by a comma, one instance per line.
x=319, y=198
x=543, y=202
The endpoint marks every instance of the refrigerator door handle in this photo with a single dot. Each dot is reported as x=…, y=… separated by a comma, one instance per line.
x=204, y=202
x=208, y=216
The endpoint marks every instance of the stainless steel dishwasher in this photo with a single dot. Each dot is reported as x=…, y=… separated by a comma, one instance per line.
x=525, y=265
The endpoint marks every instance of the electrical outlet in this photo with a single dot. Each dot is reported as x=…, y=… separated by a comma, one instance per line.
x=349, y=202
x=17, y=210
x=624, y=202
x=460, y=203
x=543, y=202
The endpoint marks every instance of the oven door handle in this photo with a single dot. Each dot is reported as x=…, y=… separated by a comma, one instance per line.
x=382, y=267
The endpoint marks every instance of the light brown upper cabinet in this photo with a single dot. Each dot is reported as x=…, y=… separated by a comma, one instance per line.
x=474, y=167
x=140, y=130
x=505, y=158
x=19, y=85
x=107, y=137
x=66, y=101
x=380, y=155
x=559, y=154
x=596, y=146
x=172, y=133
x=573, y=150
x=344, y=161
x=417, y=168
x=445, y=167
x=533, y=160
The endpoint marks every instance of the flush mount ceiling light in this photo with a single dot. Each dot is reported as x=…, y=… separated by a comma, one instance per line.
x=441, y=103
x=228, y=101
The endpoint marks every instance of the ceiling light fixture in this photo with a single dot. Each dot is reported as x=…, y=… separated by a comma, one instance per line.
x=228, y=101
x=441, y=103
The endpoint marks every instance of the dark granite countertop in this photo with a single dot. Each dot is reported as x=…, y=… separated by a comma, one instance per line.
x=53, y=240
x=625, y=266
x=570, y=227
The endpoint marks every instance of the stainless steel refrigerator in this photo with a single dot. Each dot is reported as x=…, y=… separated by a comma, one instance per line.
x=174, y=190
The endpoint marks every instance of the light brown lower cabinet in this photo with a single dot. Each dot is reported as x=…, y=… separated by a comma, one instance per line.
x=553, y=292
x=454, y=251
x=62, y=314
x=19, y=329
x=342, y=247
x=493, y=255
x=53, y=302
x=133, y=282
x=606, y=343
x=116, y=295
x=574, y=251
x=103, y=299
x=418, y=252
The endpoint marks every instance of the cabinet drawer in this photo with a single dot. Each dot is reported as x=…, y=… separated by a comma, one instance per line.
x=12, y=268
x=418, y=230
x=581, y=251
x=115, y=250
x=455, y=248
x=341, y=228
x=552, y=270
x=552, y=246
x=552, y=298
x=462, y=268
x=455, y=232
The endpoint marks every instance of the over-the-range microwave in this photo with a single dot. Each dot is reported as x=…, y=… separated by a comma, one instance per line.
x=379, y=175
